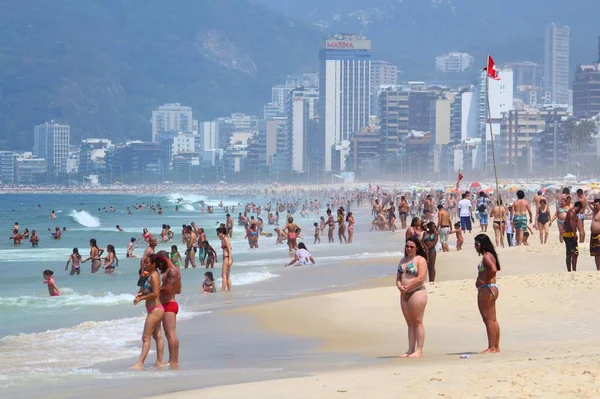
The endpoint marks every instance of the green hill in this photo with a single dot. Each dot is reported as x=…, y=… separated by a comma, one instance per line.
x=104, y=65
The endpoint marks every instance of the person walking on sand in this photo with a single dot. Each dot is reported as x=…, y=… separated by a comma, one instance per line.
x=464, y=207
x=595, y=232
x=410, y=279
x=487, y=290
x=570, y=236
x=498, y=215
x=544, y=220
x=150, y=292
x=171, y=286
x=521, y=209
x=581, y=224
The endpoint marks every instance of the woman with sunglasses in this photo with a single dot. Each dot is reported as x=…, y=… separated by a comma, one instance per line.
x=487, y=290
x=410, y=278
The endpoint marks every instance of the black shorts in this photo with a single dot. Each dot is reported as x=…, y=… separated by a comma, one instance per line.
x=571, y=246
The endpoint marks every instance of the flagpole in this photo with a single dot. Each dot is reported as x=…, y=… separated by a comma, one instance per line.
x=487, y=96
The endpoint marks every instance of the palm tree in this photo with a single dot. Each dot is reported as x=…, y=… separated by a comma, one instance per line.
x=578, y=136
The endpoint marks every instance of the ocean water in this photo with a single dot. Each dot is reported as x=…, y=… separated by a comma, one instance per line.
x=94, y=320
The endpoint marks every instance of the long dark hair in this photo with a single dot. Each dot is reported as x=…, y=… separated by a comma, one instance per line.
x=485, y=245
x=420, y=250
x=111, y=249
x=413, y=222
x=93, y=243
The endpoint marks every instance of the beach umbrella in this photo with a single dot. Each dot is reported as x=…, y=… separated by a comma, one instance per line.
x=475, y=184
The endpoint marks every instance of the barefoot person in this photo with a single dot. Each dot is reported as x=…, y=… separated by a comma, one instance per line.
x=410, y=278
x=498, y=215
x=150, y=293
x=521, y=209
x=171, y=286
x=543, y=220
x=581, y=224
x=444, y=224
x=292, y=230
x=595, y=232
x=227, y=259
x=570, y=236
x=487, y=290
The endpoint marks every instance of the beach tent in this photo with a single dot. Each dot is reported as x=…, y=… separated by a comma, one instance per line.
x=570, y=177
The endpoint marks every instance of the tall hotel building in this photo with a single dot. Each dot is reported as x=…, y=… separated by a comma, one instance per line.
x=344, y=90
x=51, y=141
x=556, y=67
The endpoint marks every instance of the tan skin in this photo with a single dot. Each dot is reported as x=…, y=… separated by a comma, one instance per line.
x=560, y=216
x=432, y=255
x=350, y=228
x=341, y=227
x=486, y=300
x=413, y=308
x=498, y=214
x=95, y=254
x=227, y=262
x=595, y=228
x=171, y=286
x=292, y=228
x=444, y=220
x=403, y=208
x=580, y=224
x=544, y=229
x=414, y=230
x=153, y=319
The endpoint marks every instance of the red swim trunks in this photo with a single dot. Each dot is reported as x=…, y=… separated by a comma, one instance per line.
x=172, y=307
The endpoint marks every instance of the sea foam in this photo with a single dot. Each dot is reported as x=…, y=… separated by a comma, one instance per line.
x=84, y=218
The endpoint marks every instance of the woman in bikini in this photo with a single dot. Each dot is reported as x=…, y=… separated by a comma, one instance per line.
x=498, y=215
x=430, y=240
x=350, y=221
x=293, y=230
x=414, y=230
x=341, y=226
x=227, y=259
x=150, y=293
x=560, y=216
x=95, y=253
x=110, y=261
x=487, y=290
x=331, y=225
x=75, y=260
x=410, y=278
x=543, y=220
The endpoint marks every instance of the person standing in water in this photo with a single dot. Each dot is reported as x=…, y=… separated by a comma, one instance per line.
x=350, y=220
x=171, y=286
x=95, y=254
x=110, y=261
x=293, y=230
x=227, y=259
x=75, y=260
x=487, y=290
x=49, y=281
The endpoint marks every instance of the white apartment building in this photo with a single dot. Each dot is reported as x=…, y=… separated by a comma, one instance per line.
x=345, y=96
x=52, y=141
x=453, y=62
x=171, y=118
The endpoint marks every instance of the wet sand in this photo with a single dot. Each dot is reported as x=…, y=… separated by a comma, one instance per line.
x=549, y=334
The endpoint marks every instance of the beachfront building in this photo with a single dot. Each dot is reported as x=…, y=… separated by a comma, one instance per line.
x=7, y=167
x=383, y=74
x=345, y=96
x=51, y=141
x=92, y=155
x=393, y=122
x=208, y=136
x=548, y=148
x=586, y=89
x=440, y=129
x=556, y=66
x=29, y=169
x=527, y=82
x=364, y=158
x=453, y=62
x=171, y=118
x=280, y=96
x=302, y=127
x=267, y=140
x=136, y=162
x=519, y=130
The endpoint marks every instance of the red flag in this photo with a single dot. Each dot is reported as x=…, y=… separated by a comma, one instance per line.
x=460, y=176
x=491, y=70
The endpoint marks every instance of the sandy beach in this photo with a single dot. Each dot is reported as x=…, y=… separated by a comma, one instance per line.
x=549, y=328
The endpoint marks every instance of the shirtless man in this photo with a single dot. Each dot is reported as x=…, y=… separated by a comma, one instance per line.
x=537, y=199
x=581, y=225
x=521, y=208
x=376, y=208
x=595, y=232
x=443, y=225
x=428, y=209
x=171, y=286
x=570, y=236
x=190, y=253
x=201, y=239
x=403, y=209
x=16, y=237
x=229, y=225
x=152, y=243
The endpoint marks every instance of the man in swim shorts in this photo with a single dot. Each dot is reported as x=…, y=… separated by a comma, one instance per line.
x=570, y=236
x=443, y=226
x=521, y=208
x=595, y=232
x=171, y=286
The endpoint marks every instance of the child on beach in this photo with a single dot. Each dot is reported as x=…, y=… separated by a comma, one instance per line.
x=526, y=235
x=317, y=235
x=459, y=236
x=211, y=255
x=208, y=285
x=175, y=256
x=49, y=281
x=75, y=260
x=130, y=247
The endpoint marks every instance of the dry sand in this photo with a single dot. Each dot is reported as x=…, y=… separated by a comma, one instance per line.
x=549, y=321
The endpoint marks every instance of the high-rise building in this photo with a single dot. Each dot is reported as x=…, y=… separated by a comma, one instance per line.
x=519, y=130
x=383, y=75
x=527, y=82
x=280, y=95
x=453, y=62
x=209, y=136
x=171, y=118
x=556, y=67
x=52, y=141
x=30, y=169
x=92, y=155
x=586, y=89
x=393, y=122
x=345, y=96
x=267, y=140
x=302, y=127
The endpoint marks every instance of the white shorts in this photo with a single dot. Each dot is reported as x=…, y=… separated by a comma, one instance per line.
x=444, y=234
